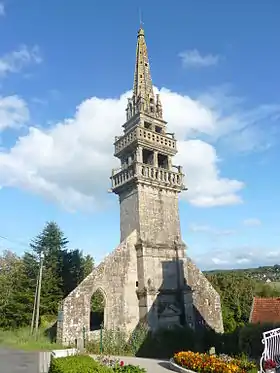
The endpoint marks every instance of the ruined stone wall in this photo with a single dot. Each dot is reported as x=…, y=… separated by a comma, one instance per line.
x=116, y=277
x=139, y=266
x=206, y=299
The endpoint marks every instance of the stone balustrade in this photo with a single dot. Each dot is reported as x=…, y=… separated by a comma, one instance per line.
x=125, y=140
x=122, y=176
x=170, y=178
x=146, y=135
x=149, y=173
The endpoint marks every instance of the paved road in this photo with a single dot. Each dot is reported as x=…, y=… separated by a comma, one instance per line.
x=14, y=361
x=151, y=365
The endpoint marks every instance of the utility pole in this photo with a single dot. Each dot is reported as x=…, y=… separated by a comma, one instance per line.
x=34, y=307
x=39, y=294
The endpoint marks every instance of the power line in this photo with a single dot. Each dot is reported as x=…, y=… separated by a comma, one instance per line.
x=15, y=241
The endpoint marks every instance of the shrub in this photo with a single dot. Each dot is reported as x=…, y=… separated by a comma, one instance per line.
x=244, y=340
x=114, y=342
x=165, y=342
x=250, y=338
x=77, y=364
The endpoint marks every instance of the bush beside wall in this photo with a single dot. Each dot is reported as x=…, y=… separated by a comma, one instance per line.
x=77, y=364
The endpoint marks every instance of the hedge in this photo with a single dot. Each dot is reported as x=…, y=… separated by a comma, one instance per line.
x=77, y=364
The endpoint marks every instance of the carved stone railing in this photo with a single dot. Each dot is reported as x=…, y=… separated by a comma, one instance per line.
x=122, y=141
x=146, y=172
x=145, y=135
x=122, y=176
x=156, y=138
x=170, y=178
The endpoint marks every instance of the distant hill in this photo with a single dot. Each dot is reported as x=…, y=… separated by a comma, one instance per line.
x=264, y=274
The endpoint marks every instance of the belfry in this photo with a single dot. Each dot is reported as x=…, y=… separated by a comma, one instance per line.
x=148, y=277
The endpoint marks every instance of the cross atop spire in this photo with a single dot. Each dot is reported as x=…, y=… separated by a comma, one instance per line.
x=140, y=18
x=143, y=98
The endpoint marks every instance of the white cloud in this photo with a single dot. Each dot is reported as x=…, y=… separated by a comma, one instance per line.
x=219, y=116
x=219, y=261
x=71, y=162
x=13, y=112
x=239, y=257
x=252, y=222
x=200, y=163
x=15, y=61
x=273, y=254
x=193, y=58
x=207, y=229
x=200, y=228
x=2, y=9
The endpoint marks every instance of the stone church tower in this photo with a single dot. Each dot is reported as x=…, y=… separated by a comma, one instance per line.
x=148, y=277
x=147, y=183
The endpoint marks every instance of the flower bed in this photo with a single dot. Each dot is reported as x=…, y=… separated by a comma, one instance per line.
x=204, y=363
x=118, y=366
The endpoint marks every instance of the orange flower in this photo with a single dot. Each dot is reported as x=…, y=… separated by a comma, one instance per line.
x=205, y=363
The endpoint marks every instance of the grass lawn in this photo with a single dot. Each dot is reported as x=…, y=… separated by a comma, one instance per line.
x=21, y=339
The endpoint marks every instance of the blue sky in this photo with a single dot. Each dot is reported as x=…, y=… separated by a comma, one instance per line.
x=66, y=69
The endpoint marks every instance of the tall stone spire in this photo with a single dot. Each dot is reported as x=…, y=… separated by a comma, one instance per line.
x=143, y=98
x=147, y=174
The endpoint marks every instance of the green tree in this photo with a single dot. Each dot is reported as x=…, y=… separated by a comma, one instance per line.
x=266, y=290
x=236, y=292
x=63, y=270
x=97, y=302
x=9, y=268
x=15, y=301
x=88, y=265
x=51, y=243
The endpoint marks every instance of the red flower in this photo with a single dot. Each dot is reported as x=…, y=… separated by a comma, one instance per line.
x=269, y=364
x=121, y=363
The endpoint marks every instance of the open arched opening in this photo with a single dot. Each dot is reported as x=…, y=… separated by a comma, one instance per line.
x=97, y=309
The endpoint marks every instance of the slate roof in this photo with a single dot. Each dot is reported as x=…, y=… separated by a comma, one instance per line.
x=265, y=310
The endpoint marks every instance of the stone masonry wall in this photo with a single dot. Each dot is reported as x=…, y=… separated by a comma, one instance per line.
x=206, y=299
x=116, y=277
x=158, y=215
x=152, y=211
x=129, y=218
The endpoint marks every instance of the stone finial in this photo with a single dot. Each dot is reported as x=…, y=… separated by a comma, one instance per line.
x=158, y=107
